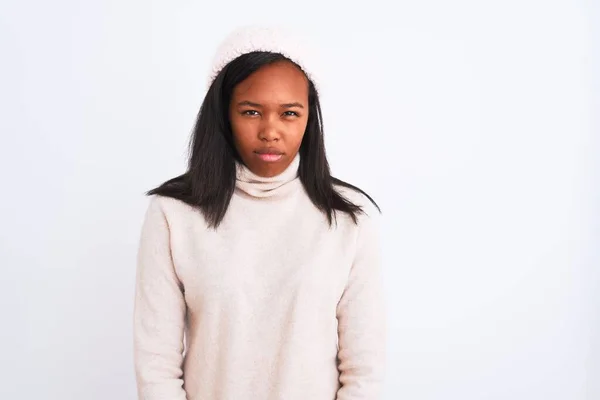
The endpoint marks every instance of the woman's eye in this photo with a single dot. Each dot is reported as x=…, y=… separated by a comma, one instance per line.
x=290, y=114
x=250, y=112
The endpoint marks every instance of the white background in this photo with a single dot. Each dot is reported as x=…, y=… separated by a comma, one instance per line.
x=470, y=122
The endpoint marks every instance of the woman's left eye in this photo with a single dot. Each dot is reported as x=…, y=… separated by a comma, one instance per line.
x=290, y=114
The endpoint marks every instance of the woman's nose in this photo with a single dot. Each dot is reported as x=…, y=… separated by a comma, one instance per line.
x=270, y=130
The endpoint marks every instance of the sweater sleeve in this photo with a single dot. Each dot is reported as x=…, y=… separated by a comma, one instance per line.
x=361, y=319
x=159, y=313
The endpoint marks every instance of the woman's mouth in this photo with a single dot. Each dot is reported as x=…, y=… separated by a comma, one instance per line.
x=269, y=154
x=270, y=157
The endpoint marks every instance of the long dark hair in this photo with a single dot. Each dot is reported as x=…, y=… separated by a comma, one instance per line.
x=210, y=179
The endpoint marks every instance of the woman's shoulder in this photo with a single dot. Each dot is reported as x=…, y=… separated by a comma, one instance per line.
x=170, y=207
x=358, y=197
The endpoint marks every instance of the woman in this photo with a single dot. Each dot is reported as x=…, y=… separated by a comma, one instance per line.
x=258, y=273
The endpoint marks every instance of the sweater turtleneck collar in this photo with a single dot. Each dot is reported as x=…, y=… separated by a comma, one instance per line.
x=260, y=186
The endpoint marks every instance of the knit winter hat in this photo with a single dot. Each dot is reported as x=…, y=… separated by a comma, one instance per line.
x=275, y=39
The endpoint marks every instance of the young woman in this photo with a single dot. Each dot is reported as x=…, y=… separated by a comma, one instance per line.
x=258, y=272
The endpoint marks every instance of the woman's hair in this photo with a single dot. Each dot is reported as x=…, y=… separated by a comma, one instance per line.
x=210, y=180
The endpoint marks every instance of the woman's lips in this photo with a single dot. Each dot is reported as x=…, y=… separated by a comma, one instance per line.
x=269, y=157
x=269, y=154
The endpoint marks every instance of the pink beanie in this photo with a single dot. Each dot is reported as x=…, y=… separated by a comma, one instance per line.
x=265, y=38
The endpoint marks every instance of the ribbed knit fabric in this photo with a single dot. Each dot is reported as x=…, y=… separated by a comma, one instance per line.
x=273, y=305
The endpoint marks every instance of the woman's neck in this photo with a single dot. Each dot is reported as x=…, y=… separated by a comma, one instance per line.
x=259, y=186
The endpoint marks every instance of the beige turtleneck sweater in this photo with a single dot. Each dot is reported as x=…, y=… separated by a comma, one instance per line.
x=273, y=305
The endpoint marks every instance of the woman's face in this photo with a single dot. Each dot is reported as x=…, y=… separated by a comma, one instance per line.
x=268, y=114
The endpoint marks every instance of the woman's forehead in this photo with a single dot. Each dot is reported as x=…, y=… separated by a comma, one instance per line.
x=282, y=82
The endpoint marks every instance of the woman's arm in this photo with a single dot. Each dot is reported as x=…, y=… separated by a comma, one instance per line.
x=159, y=313
x=361, y=319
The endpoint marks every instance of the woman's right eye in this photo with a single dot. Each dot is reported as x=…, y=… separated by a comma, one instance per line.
x=250, y=112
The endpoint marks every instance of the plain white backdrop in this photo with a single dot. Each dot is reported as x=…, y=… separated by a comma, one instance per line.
x=470, y=122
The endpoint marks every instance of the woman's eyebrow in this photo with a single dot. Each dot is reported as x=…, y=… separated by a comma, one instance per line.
x=257, y=105
x=249, y=103
x=292, y=105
